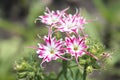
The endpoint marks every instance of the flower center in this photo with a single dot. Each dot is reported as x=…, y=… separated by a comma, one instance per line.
x=54, y=19
x=52, y=51
x=75, y=48
x=69, y=25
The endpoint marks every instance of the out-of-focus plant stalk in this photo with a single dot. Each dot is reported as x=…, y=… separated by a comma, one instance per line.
x=85, y=71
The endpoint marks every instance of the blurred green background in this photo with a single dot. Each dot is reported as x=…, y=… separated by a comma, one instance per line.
x=18, y=30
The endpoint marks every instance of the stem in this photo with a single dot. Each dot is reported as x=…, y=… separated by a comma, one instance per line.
x=64, y=67
x=63, y=71
x=64, y=57
x=85, y=72
x=58, y=76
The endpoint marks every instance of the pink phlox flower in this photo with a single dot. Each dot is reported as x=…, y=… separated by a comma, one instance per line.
x=50, y=50
x=67, y=24
x=81, y=22
x=75, y=46
x=71, y=23
x=52, y=17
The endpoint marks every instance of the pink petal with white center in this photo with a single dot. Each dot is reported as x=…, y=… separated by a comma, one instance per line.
x=52, y=17
x=71, y=23
x=75, y=46
x=51, y=50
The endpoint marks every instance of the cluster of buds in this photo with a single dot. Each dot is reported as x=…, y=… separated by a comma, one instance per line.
x=74, y=42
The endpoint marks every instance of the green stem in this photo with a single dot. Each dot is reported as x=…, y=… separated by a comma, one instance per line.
x=85, y=72
x=63, y=71
x=64, y=67
x=59, y=75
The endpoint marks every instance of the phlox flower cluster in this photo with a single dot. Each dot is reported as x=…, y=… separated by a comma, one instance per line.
x=74, y=42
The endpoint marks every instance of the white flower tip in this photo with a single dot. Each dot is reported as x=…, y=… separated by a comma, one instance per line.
x=77, y=10
x=66, y=9
x=38, y=44
x=36, y=20
x=47, y=9
x=37, y=51
x=41, y=65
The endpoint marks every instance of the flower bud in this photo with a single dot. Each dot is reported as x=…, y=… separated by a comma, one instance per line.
x=22, y=74
x=31, y=74
x=89, y=69
x=23, y=66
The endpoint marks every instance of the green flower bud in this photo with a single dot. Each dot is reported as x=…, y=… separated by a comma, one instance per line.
x=95, y=47
x=82, y=62
x=31, y=74
x=89, y=69
x=22, y=74
x=23, y=66
x=18, y=67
